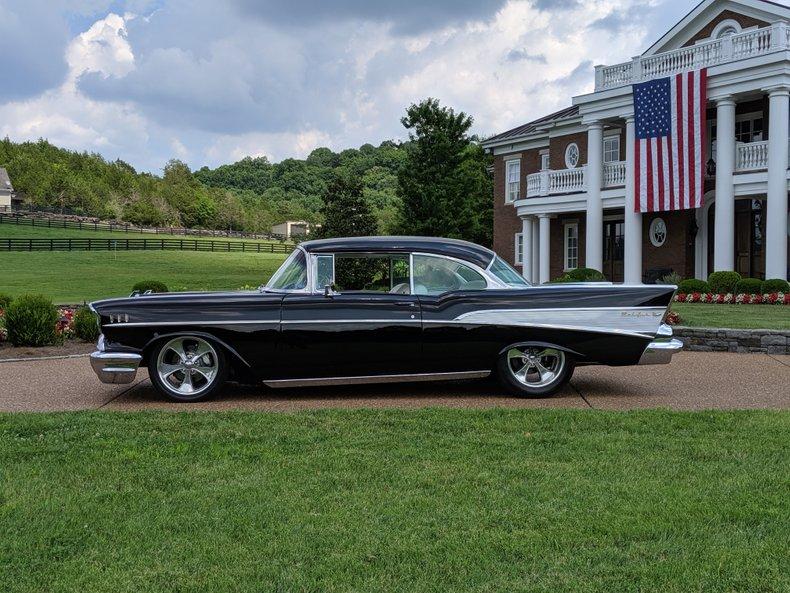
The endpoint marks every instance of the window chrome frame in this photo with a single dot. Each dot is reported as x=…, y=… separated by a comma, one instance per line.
x=308, y=284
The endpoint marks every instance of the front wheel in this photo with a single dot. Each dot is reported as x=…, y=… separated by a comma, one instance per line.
x=534, y=371
x=187, y=368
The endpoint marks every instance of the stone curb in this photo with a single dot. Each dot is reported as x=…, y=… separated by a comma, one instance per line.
x=34, y=358
x=724, y=339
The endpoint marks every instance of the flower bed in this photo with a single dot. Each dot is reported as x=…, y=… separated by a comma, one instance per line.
x=64, y=326
x=774, y=298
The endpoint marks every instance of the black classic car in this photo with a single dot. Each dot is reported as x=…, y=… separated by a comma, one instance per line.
x=382, y=309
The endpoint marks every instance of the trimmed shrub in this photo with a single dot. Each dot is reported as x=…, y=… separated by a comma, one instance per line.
x=86, y=326
x=5, y=300
x=775, y=285
x=748, y=286
x=152, y=285
x=723, y=282
x=581, y=275
x=691, y=285
x=31, y=320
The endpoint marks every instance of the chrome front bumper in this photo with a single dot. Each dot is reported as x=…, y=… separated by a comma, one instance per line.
x=114, y=367
x=660, y=350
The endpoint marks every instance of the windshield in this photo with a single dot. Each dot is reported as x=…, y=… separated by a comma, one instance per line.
x=292, y=275
x=502, y=270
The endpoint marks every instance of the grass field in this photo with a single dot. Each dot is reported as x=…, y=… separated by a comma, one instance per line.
x=735, y=316
x=77, y=276
x=30, y=232
x=430, y=500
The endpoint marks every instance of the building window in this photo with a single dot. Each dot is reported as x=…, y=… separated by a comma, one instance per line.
x=611, y=149
x=519, y=249
x=572, y=156
x=513, y=183
x=571, y=245
x=544, y=161
x=658, y=232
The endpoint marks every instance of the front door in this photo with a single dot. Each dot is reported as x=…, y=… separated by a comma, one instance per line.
x=613, y=249
x=361, y=321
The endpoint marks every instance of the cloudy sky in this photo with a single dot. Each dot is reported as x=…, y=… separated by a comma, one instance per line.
x=210, y=82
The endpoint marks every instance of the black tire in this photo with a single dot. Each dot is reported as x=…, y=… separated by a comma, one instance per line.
x=508, y=365
x=205, y=385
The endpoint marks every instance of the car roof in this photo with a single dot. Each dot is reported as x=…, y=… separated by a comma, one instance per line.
x=463, y=250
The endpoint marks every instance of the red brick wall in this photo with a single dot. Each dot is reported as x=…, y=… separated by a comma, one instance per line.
x=743, y=20
x=558, y=145
x=677, y=252
x=506, y=222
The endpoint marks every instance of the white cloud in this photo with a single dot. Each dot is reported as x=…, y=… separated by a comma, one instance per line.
x=210, y=83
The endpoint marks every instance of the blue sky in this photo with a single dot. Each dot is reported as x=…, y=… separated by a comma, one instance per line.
x=211, y=82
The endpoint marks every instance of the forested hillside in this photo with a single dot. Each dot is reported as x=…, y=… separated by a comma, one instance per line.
x=251, y=194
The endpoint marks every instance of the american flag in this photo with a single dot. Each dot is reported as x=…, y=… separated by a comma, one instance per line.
x=670, y=142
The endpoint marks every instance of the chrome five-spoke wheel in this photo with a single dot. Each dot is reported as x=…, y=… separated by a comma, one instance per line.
x=534, y=370
x=187, y=368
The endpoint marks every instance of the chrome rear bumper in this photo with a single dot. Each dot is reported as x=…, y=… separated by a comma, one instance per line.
x=114, y=367
x=660, y=350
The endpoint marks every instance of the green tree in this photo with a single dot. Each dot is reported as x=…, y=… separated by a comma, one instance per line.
x=443, y=184
x=346, y=212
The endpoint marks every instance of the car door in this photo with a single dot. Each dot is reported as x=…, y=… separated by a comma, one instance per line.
x=350, y=333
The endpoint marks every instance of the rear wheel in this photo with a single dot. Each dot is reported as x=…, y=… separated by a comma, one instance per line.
x=534, y=371
x=187, y=368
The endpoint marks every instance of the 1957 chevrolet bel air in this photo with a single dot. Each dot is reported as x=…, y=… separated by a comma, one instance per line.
x=382, y=309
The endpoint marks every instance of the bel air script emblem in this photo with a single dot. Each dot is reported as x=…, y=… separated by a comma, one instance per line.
x=641, y=313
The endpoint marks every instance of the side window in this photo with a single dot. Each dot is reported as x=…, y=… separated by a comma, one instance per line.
x=325, y=271
x=437, y=275
x=363, y=273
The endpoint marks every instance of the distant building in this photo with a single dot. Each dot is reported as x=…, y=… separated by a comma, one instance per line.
x=6, y=190
x=291, y=228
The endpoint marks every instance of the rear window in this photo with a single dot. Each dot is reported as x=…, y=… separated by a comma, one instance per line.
x=504, y=272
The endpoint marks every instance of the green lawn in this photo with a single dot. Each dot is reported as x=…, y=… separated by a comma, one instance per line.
x=735, y=316
x=14, y=231
x=430, y=500
x=77, y=276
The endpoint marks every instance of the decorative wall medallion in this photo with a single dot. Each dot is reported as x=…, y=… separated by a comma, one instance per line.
x=572, y=155
x=658, y=232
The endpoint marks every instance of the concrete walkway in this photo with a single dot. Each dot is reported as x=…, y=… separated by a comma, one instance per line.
x=694, y=381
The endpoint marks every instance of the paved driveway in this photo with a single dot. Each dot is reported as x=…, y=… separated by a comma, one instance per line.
x=694, y=380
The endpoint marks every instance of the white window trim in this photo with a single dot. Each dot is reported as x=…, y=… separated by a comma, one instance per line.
x=565, y=228
x=578, y=157
x=519, y=260
x=517, y=161
x=611, y=136
x=545, y=153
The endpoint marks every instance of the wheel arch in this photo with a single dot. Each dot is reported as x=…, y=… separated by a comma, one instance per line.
x=236, y=360
x=541, y=344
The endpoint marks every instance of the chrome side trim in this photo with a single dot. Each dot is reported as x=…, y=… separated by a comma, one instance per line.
x=627, y=320
x=202, y=322
x=367, y=379
x=115, y=367
x=321, y=321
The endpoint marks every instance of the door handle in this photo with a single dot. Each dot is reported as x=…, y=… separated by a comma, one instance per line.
x=405, y=304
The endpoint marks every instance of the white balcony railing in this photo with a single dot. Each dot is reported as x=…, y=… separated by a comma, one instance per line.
x=751, y=155
x=614, y=174
x=569, y=181
x=702, y=55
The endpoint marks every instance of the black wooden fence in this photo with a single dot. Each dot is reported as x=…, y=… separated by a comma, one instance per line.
x=54, y=222
x=140, y=244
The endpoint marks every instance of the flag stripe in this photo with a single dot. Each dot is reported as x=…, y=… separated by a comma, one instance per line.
x=670, y=142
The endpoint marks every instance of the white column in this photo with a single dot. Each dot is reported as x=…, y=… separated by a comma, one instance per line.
x=724, y=240
x=633, y=220
x=776, y=211
x=544, y=248
x=526, y=250
x=535, y=254
x=594, y=238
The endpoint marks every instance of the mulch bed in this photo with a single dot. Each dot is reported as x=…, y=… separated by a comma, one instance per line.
x=68, y=348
